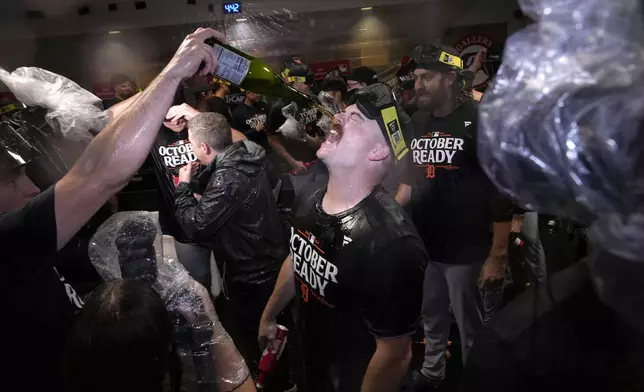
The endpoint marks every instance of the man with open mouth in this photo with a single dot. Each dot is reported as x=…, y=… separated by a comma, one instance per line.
x=356, y=264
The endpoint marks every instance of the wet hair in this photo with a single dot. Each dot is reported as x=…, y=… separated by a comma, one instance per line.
x=334, y=83
x=122, y=341
x=212, y=129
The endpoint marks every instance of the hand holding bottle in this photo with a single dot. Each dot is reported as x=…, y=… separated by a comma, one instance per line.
x=192, y=53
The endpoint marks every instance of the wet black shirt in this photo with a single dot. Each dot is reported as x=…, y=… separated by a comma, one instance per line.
x=359, y=276
x=170, y=152
x=307, y=117
x=251, y=121
x=38, y=303
x=453, y=201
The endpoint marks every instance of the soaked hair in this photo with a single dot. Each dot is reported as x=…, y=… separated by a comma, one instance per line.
x=212, y=129
x=122, y=341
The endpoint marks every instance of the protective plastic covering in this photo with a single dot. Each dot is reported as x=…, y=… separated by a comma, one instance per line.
x=561, y=127
x=131, y=245
x=71, y=109
x=291, y=128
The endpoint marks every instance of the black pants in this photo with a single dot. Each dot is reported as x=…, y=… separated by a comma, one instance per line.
x=240, y=309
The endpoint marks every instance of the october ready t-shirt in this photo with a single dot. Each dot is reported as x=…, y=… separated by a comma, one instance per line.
x=251, y=121
x=451, y=195
x=359, y=277
x=171, y=151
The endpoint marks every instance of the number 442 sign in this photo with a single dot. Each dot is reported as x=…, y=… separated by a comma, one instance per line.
x=232, y=8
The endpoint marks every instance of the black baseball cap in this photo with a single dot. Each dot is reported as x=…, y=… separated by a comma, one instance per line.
x=297, y=71
x=364, y=75
x=436, y=57
x=377, y=102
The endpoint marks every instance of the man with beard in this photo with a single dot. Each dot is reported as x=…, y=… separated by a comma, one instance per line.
x=123, y=88
x=356, y=265
x=454, y=207
x=38, y=314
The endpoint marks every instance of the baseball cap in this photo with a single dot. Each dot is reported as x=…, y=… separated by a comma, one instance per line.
x=376, y=102
x=364, y=75
x=297, y=71
x=435, y=57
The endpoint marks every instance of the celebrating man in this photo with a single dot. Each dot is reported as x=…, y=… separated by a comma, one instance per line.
x=454, y=207
x=356, y=264
x=236, y=216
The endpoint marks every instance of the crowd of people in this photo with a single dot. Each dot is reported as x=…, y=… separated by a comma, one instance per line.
x=395, y=227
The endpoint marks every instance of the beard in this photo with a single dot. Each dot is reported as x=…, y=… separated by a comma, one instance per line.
x=429, y=101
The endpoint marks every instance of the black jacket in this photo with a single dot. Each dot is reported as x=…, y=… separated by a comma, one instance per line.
x=237, y=215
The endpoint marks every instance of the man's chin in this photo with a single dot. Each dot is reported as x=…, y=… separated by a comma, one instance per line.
x=326, y=150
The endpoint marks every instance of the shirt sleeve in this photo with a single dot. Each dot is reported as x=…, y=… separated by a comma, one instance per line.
x=30, y=233
x=392, y=294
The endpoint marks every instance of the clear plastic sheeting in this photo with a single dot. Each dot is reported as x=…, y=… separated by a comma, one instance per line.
x=561, y=131
x=560, y=127
x=131, y=245
x=325, y=123
x=291, y=128
x=71, y=109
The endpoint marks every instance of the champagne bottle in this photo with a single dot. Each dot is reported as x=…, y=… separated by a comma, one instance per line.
x=253, y=74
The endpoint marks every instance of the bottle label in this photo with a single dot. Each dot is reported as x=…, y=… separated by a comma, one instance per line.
x=231, y=66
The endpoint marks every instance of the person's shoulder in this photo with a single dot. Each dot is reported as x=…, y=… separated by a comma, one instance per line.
x=308, y=199
x=35, y=222
x=470, y=109
x=387, y=217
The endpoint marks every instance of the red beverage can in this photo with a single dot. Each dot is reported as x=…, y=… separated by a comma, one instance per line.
x=272, y=354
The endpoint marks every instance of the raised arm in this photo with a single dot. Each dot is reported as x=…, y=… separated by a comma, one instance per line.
x=113, y=157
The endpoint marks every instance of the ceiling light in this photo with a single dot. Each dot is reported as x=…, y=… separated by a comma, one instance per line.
x=366, y=8
x=114, y=32
x=241, y=20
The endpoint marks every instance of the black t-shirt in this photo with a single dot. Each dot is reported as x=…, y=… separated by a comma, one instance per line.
x=38, y=304
x=108, y=103
x=359, y=276
x=248, y=119
x=307, y=117
x=453, y=201
x=170, y=152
